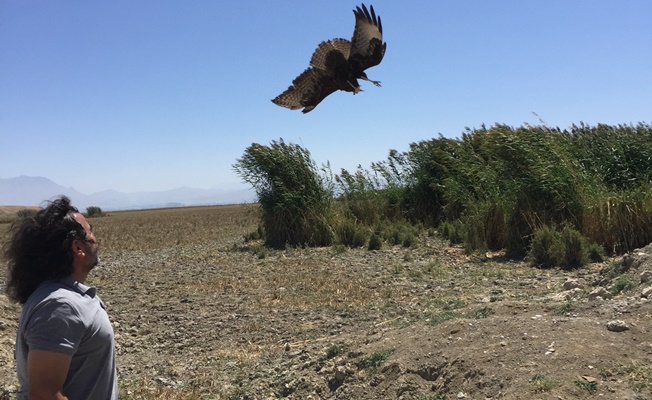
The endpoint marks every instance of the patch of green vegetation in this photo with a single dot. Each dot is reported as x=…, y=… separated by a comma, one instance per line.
x=94, y=212
x=589, y=386
x=340, y=249
x=375, y=242
x=333, y=351
x=565, y=308
x=259, y=251
x=251, y=236
x=541, y=384
x=482, y=312
x=622, y=284
x=378, y=358
x=438, y=318
x=640, y=377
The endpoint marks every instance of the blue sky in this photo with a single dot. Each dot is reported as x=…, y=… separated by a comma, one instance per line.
x=153, y=95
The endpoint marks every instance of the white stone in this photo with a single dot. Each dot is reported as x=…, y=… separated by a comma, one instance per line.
x=600, y=292
x=647, y=292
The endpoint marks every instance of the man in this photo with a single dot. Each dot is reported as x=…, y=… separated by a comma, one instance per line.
x=64, y=346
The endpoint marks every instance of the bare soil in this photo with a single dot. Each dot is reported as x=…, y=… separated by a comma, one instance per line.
x=224, y=319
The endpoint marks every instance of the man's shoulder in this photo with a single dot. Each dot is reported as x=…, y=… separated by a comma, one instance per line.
x=53, y=294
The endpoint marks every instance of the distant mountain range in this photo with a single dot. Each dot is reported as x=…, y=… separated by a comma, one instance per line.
x=33, y=190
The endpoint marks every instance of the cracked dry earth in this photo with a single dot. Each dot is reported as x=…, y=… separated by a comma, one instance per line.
x=224, y=319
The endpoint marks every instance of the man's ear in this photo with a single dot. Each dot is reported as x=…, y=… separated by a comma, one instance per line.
x=76, y=247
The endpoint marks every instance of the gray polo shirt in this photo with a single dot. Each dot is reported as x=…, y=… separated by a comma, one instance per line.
x=68, y=317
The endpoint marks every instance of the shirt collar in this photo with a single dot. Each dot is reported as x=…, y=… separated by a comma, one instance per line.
x=79, y=287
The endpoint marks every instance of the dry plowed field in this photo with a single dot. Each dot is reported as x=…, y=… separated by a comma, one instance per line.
x=199, y=313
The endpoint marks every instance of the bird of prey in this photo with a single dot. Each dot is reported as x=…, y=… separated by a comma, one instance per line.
x=337, y=64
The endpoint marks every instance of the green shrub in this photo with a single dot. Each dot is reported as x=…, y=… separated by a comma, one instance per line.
x=452, y=231
x=375, y=242
x=482, y=312
x=340, y=249
x=253, y=236
x=94, y=211
x=333, y=351
x=576, y=248
x=596, y=253
x=546, y=248
x=590, y=387
x=504, y=182
x=296, y=201
x=553, y=248
x=377, y=359
x=541, y=384
x=620, y=221
x=398, y=233
x=492, y=188
x=350, y=233
x=622, y=284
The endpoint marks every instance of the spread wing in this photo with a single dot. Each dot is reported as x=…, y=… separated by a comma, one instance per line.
x=317, y=82
x=335, y=62
x=331, y=55
x=367, y=47
x=307, y=90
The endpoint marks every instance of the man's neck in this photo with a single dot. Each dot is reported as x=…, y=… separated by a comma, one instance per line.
x=79, y=276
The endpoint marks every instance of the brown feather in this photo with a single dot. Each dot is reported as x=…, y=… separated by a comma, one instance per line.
x=337, y=64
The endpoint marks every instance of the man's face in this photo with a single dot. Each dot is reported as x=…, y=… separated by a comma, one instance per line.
x=91, y=245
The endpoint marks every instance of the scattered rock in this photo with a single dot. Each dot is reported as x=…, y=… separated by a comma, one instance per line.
x=573, y=283
x=646, y=276
x=617, y=326
x=635, y=260
x=338, y=379
x=600, y=293
x=647, y=292
x=566, y=295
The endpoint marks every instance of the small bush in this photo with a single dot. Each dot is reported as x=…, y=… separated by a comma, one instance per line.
x=565, y=309
x=622, y=284
x=375, y=242
x=438, y=318
x=541, y=384
x=253, y=236
x=596, y=253
x=333, y=351
x=296, y=200
x=351, y=234
x=566, y=248
x=94, y=211
x=452, y=231
x=483, y=312
x=590, y=387
x=546, y=249
x=377, y=359
x=409, y=240
x=576, y=248
x=398, y=233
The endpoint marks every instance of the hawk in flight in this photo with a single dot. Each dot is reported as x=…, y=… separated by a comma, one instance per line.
x=337, y=64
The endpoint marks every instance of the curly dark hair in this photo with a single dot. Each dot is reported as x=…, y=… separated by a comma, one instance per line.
x=40, y=248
